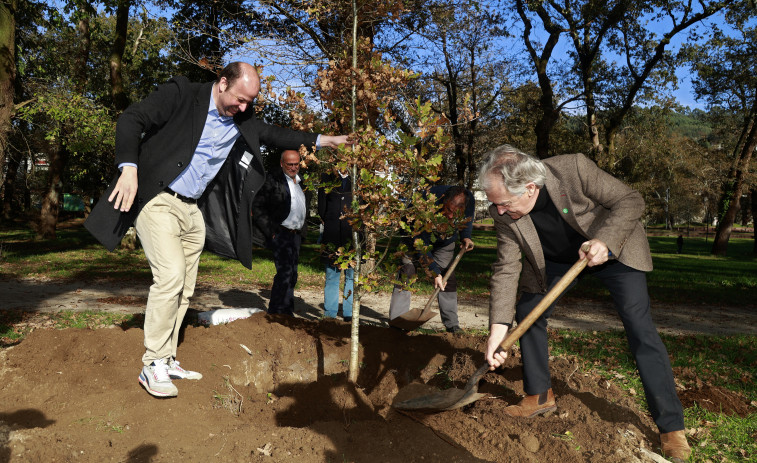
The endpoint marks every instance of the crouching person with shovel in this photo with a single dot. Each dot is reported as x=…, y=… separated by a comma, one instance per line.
x=553, y=212
x=457, y=205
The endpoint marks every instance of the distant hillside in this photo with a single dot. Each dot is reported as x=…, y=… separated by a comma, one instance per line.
x=690, y=124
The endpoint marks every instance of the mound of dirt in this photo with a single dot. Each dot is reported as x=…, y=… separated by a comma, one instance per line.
x=73, y=395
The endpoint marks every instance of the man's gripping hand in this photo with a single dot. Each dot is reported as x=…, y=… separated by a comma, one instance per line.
x=495, y=355
x=597, y=254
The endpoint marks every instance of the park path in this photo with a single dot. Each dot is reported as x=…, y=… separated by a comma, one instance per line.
x=50, y=296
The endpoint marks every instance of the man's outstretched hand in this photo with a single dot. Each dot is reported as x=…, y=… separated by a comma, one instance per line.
x=332, y=141
x=126, y=189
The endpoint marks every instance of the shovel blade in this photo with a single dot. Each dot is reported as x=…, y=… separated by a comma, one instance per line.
x=412, y=319
x=448, y=399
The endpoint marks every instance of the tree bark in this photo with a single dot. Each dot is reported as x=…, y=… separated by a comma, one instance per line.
x=452, y=88
x=733, y=188
x=48, y=217
x=754, y=220
x=9, y=187
x=549, y=112
x=7, y=75
x=356, y=290
x=120, y=100
x=84, y=47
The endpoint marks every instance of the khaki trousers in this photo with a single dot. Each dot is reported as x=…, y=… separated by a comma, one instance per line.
x=172, y=234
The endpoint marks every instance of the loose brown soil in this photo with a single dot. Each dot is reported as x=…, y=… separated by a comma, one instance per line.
x=73, y=395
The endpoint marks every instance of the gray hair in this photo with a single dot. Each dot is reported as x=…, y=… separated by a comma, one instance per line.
x=514, y=168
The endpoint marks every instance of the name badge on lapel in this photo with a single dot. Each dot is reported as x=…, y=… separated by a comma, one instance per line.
x=245, y=161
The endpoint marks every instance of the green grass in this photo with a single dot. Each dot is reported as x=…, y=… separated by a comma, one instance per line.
x=694, y=277
x=726, y=361
x=722, y=438
x=15, y=325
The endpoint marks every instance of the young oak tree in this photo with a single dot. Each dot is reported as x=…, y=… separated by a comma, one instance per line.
x=391, y=169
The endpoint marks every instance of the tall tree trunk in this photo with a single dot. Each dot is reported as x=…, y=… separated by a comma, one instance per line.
x=48, y=217
x=7, y=75
x=591, y=121
x=472, y=124
x=58, y=154
x=733, y=188
x=85, y=46
x=451, y=86
x=754, y=220
x=120, y=100
x=9, y=187
x=549, y=112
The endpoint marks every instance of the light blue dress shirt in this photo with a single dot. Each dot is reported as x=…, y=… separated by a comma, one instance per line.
x=218, y=136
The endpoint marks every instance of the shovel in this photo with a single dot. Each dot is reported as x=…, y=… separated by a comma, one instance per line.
x=452, y=398
x=416, y=317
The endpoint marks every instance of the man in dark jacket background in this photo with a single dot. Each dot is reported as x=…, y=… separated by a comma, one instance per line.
x=279, y=212
x=169, y=148
x=456, y=203
x=334, y=196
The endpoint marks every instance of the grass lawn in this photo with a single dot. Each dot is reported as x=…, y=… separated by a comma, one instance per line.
x=693, y=277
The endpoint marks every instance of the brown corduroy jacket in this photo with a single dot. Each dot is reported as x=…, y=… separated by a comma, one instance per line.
x=596, y=204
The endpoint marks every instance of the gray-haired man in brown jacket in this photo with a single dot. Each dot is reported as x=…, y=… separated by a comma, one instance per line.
x=545, y=211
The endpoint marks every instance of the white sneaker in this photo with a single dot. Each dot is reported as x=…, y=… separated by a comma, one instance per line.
x=175, y=371
x=155, y=379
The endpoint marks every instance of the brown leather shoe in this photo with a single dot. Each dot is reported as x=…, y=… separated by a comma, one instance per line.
x=674, y=446
x=533, y=405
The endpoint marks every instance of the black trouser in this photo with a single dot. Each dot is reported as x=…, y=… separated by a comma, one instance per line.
x=286, y=256
x=628, y=288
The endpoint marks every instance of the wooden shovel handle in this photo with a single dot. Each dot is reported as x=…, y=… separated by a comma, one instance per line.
x=450, y=269
x=546, y=301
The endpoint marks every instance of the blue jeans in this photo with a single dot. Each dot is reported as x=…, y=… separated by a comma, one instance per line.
x=331, y=292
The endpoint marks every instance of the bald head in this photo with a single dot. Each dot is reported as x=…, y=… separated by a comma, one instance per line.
x=236, y=88
x=290, y=163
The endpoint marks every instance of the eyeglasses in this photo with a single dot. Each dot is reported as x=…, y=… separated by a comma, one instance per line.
x=508, y=203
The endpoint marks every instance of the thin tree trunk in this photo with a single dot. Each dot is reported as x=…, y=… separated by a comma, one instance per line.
x=83, y=56
x=468, y=180
x=356, y=291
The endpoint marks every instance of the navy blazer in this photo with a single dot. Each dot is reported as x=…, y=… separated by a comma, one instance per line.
x=160, y=135
x=272, y=205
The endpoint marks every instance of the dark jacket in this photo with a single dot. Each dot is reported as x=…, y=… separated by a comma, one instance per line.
x=160, y=135
x=331, y=206
x=271, y=207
